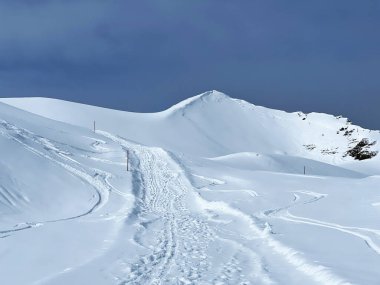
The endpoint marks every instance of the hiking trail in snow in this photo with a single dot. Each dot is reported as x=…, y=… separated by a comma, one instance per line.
x=181, y=250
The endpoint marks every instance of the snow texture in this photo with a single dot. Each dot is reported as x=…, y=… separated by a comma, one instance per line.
x=219, y=191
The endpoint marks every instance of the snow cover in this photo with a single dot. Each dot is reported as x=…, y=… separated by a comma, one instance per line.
x=216, y=194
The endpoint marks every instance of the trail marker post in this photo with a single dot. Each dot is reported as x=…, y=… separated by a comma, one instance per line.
x=127, y=160
x=94, y=126
x=304, y=170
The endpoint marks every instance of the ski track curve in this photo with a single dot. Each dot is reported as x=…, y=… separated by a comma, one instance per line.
x=315, y=197
x=52, y=152
x=355, y=231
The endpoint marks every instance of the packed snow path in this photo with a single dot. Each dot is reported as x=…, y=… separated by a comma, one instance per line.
x=185, y=246
x=182, y=239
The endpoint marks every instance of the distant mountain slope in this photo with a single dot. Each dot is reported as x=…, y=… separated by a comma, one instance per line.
x=213, y=124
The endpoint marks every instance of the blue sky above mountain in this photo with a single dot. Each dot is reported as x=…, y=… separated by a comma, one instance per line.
x=147, y=55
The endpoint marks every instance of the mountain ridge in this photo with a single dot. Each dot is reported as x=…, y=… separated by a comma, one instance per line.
x=214, y=124
x=214, y=95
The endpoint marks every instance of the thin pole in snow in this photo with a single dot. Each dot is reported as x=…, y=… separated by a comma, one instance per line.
x=304, y=170
x=94, y=126
x=127, y=160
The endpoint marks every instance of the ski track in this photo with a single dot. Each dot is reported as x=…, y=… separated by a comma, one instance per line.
x=96, y=178
x=355, y=231
x=315, y=197
x=316, y=273
x=179, y=254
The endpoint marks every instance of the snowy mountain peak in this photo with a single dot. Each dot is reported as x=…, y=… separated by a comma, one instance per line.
x=214, y=95
x=209, y=96
x=214, y=124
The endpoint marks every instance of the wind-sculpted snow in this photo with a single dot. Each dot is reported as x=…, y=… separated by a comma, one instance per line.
x=211, y=191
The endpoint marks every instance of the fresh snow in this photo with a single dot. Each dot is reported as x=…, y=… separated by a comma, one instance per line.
x=216, y=194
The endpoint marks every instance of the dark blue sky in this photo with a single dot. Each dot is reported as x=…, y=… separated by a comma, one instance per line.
x=147, y=55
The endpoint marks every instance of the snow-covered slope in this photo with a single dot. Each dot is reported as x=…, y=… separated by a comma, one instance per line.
x=283, y=163
x=54, y=180
x=213, y=124
x=215, y=194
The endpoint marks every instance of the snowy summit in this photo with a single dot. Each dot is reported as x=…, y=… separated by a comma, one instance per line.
x=213, y=190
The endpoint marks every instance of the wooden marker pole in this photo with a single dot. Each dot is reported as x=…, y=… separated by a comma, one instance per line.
x=127, y=160
x=94, y=126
